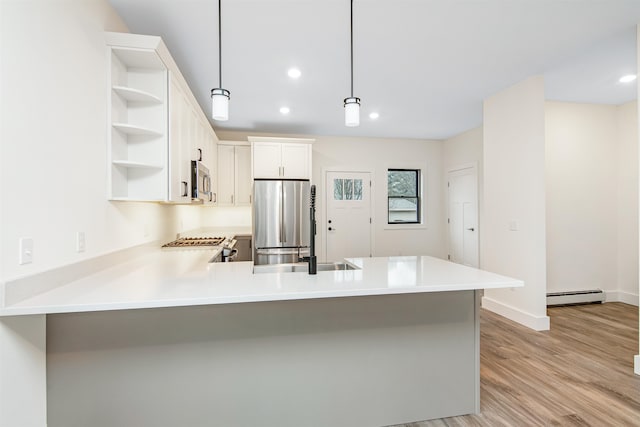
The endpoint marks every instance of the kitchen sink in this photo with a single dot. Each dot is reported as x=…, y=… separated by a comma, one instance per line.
x=302, y=267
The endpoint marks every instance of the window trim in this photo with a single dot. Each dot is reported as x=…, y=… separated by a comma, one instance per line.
x=420, y=220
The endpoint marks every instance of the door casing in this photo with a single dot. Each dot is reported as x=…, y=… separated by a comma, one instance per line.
x=464, y=170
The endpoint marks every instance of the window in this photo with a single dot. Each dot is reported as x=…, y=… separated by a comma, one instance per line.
x=347, y=189
x=403, y=191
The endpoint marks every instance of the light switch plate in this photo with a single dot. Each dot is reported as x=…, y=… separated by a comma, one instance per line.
x=81, y=244
x=26, y=251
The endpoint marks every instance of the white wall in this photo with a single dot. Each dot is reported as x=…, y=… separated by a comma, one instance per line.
x=463, y=149
x=627, y=169
x=239, y=216
x=53, y=140
x=636, y=359
x=23, y=376
x=592, y=197
x=581, y=160
x=514, y=195
x=377, y=155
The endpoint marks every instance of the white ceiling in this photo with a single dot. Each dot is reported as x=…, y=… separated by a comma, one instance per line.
x=424, y=65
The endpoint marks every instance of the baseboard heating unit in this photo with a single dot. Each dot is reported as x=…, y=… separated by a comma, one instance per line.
x=575, y=297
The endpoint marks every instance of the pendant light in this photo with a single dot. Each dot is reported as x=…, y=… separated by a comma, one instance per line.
x=352, y=104
x=220, y=96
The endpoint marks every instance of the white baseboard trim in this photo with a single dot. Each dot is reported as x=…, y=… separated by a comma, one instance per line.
x=636, y=364
x=537, y=323
x=621, y=296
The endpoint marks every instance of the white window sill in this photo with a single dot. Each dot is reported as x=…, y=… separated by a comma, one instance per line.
x=405, y=227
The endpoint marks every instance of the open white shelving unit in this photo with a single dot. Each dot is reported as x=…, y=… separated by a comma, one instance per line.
x=136, y=95
x=139, y=125
x=155, y=125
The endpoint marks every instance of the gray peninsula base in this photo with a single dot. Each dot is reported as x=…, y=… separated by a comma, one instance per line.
x=354, y=361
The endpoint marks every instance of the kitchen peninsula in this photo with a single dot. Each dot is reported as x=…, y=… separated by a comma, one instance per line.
x=168, y=339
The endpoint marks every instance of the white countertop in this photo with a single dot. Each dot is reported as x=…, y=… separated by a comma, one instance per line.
x=184, y=278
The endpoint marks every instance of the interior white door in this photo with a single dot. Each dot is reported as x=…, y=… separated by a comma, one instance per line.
x=348, y=219
x=463, y=216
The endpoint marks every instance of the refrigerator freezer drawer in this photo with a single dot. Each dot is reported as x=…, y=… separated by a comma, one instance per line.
x=279, y=256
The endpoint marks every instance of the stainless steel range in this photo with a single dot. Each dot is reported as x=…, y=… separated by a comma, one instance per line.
x=189, y=242
x=224, y=248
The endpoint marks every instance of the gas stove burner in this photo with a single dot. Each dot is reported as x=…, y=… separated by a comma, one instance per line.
x=186, y=242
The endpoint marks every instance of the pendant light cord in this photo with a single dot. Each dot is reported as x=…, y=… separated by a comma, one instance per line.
x=352, y=48
x=220, y=42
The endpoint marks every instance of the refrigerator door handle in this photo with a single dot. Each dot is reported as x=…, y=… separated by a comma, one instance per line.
x=283, y=234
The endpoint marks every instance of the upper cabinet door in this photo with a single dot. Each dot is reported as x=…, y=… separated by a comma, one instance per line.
x=179, y=147
x=226, y=175
x=295, y=161
x=243, y=187
x=277, y=160
x=267, y=160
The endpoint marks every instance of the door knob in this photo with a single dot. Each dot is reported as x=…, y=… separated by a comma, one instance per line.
x=329, y=221
x=471, y=229
x=330, y=229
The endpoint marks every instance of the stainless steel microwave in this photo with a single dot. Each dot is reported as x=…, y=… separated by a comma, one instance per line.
x=201, y=182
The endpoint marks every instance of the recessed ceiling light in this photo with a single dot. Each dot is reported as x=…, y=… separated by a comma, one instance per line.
x=374, y=116
x=284, y=110
x=628, y=78
x=294, y=73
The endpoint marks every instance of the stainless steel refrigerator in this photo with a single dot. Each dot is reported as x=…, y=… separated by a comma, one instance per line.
x=280, y=220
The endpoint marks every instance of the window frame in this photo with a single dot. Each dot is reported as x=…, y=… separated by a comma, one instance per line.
x=418, y=197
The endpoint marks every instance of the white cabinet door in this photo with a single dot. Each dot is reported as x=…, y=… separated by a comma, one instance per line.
x=226, y=175
x=200, y=151
x=295, y=161
x=179, y=145
x=267, y=159
x=243, y=187
x=234, y=175
x=281, y=160
x=212, y=161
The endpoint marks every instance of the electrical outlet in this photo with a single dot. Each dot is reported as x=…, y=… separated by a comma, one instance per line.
x=26, y=251
x=80, y=242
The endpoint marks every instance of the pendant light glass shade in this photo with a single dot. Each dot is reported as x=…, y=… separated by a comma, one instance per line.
x=220, y=104
x=352, y=111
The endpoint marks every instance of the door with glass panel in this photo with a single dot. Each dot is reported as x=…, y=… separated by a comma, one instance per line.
x=348, y=219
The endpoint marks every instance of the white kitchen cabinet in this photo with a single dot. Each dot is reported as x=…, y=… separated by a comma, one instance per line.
x=281, y=158
x=179, y=144
x=243, y=182
x=226, y=173
x=234, y=174
x=154, y=122
x=267, y=160
x=204, y=144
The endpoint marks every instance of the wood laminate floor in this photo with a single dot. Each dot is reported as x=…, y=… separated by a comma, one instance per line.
x=580, y=373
